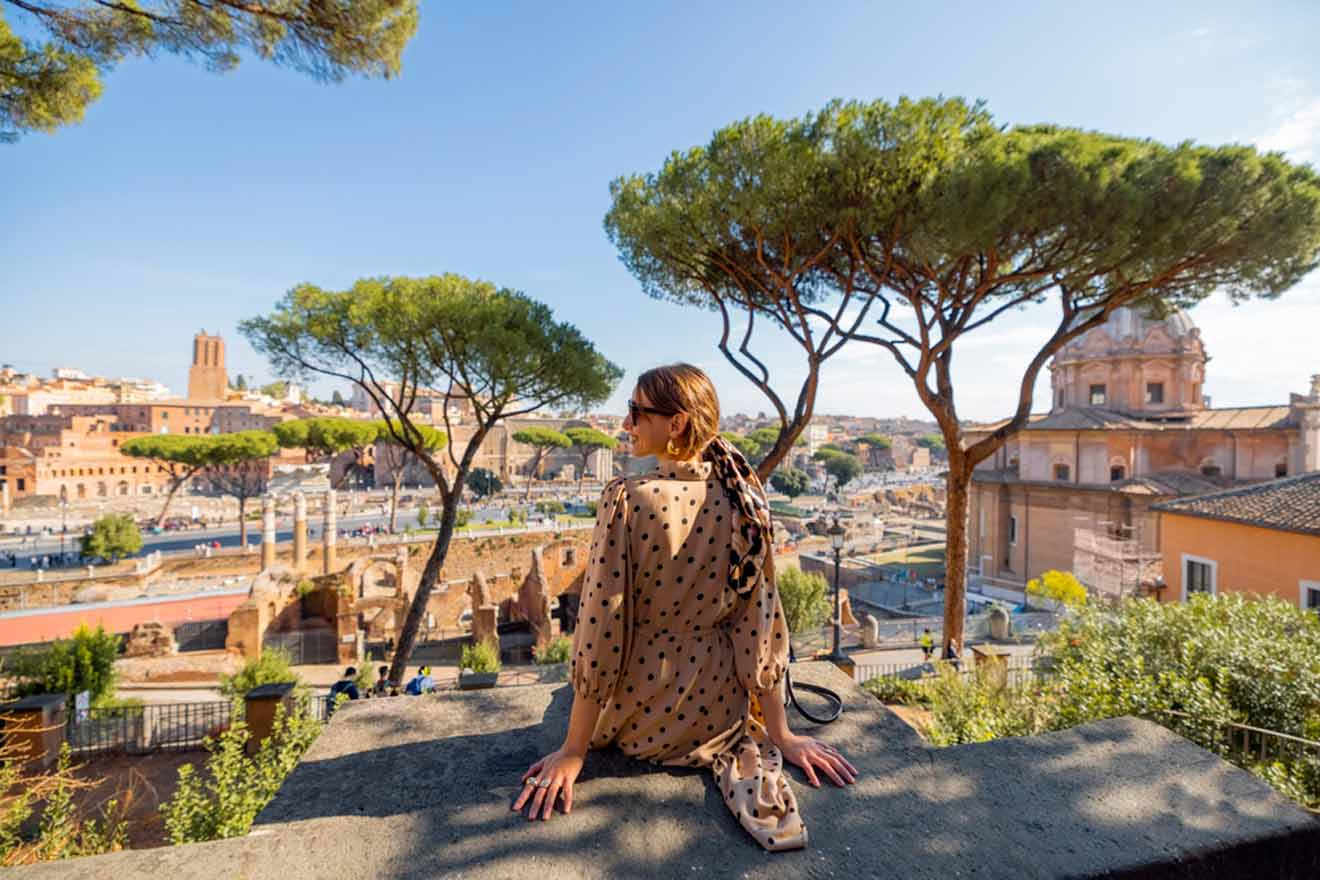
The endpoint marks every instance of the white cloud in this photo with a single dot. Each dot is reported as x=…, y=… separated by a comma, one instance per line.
x=1296, y=133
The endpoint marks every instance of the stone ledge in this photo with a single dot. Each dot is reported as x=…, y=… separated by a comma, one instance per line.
x=420, y=788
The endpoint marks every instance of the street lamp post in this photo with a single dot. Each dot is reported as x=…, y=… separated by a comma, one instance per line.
x=838, y=535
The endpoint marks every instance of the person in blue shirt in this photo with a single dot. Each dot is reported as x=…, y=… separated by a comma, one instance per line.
x=422, y=683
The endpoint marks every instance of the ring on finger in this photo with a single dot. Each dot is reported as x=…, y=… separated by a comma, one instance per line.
x=544, y=783
x=532, y=780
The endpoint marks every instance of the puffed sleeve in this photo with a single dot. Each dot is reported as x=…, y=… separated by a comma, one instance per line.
x=760, y=635
x=604, y=621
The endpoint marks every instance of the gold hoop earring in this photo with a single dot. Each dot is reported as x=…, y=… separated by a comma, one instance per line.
x=670, y=449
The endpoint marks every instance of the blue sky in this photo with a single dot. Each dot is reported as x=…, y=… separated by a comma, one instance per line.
x=188, y=200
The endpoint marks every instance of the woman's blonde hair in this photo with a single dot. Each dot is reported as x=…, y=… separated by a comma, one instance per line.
x=684, y=388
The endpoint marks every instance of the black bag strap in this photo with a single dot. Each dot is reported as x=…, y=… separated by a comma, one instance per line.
x=836, y=702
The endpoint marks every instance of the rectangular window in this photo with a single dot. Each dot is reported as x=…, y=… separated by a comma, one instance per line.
x=1116, y=473
x=1062, y=472
x=1012, y=530
x=1154, y=392
x=1199, y=576
x=22, y=484
x=1311, y=596
x=1097, y=395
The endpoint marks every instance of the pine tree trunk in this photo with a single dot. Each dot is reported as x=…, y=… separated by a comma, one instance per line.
x=955, y=551
x=169, y=497
x=430, y=575
x=394, y=499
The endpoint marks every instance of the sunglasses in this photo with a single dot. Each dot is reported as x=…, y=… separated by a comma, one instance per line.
x=635, y=411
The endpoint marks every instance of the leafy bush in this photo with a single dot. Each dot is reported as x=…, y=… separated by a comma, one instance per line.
x=481, y=657
x=558, y=651
x=111, y=537
x=1058, y=586
x=85, y=662
x=1252, y=661
x=225, y=800
x=805, y=600
x=423, y=514
x=890, y=689
x=1210, y=660
x=272, y=667
x=63, y=830
x=981, y=706
x=551, y=506
x=462, y=517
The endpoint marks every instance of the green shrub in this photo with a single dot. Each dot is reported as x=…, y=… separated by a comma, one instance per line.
x=85, y=662
x=890, y=689
x=272, y=667
x=63, y=830
x=551, y=506
x=423, y=514
x=225, y=800
x=981, y=706
x=1210, y=660
x=805, y=600
x=111, y=537
x=462, y=517
x=481, y=657
x=305, y=588
x=558, y=651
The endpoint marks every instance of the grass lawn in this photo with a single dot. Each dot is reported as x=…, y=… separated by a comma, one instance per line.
x=926, y=561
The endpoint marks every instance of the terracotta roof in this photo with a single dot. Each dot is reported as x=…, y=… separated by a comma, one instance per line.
x=1291, y=504
x=1172, y=483
x=1092, y=419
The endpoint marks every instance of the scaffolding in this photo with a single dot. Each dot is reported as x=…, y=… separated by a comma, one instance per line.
x=1113, y=565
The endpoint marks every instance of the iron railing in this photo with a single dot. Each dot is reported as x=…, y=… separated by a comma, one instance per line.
x=1243, y=741
x=141, y=729
x=1015, y=672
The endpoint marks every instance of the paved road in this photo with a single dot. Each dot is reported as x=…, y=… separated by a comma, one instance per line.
x=227, y=535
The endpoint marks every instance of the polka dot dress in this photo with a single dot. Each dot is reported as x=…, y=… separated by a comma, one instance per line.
x=676, y=659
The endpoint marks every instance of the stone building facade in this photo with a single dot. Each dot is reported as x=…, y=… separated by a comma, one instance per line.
x=1129, y=427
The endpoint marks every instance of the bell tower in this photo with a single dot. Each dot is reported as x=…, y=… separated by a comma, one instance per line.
x=206, y=377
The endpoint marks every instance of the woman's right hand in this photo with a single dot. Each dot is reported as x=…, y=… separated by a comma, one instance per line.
x=549, y=779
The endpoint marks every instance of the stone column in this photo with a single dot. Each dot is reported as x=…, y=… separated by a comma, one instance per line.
x=299, y=531
x=267, y=533
x=328, y=529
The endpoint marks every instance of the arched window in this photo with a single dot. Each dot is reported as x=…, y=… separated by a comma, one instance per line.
x=1281, y=469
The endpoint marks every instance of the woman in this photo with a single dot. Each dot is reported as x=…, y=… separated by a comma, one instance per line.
x=681, y=642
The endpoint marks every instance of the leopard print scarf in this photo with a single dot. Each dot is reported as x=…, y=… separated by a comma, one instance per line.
x=749, y=553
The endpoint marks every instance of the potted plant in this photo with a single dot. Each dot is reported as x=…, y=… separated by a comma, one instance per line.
x=553, y=659
x=479, y=667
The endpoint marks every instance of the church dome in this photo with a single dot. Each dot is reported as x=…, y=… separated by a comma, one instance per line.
x=1133, y=363
x=1135, y=324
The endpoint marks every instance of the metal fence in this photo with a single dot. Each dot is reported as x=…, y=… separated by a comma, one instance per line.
x=1012, y=672
x=141, y=729
x=202, y=635
x=1241, y=742
x=304, y=647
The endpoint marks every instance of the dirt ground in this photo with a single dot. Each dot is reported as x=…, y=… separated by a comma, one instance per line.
x=141, y=783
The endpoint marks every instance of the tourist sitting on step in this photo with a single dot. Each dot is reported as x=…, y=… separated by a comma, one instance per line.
x=681, y=645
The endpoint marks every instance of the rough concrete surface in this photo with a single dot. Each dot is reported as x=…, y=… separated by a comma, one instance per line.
x=421, y=787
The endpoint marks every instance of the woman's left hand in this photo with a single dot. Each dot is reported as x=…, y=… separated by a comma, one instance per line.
x=810, y=753
x=549, y=779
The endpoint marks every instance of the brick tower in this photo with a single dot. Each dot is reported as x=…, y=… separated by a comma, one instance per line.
x=206, y=378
